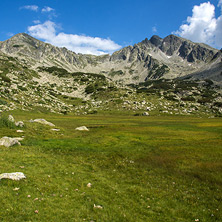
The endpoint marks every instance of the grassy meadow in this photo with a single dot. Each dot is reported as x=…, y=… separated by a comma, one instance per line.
x=156, y=168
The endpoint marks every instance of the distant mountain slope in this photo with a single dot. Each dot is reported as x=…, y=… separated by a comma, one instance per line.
x=157, y=58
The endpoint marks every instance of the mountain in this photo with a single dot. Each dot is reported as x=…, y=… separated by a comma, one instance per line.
x=170, y=76
x=157, y=58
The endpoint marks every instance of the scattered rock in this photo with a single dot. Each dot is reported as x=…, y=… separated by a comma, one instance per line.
x=16, y=188
x=8, y=141
x=19, y=131
x=42, y=121
x=97, y=206
x=13, y=176
x=82, y=128
x=11, y=118
x=145, y=114
x=19, y=124
x=55, y=129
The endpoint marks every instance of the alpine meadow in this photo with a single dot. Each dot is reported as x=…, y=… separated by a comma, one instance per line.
x=94, y=131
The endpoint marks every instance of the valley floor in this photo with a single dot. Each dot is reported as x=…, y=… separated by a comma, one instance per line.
x=141, y=168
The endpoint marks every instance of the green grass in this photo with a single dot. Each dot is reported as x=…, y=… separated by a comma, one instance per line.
x=141, y=169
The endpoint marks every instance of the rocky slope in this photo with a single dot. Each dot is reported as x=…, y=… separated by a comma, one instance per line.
x=156, y=58
x=157, y=76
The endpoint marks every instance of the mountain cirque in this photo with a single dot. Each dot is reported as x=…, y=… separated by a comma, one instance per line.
x=150, y=75
x=170, y=57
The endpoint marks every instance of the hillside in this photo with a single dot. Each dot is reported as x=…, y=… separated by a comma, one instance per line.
x=170, y=76
x=156, y=58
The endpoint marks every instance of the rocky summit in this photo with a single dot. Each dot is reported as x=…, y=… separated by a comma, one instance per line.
x=170, y=75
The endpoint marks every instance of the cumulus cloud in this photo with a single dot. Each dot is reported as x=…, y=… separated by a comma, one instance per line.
x=203, y=26
x=47, y=9
x=30, y=7
x=76, y=43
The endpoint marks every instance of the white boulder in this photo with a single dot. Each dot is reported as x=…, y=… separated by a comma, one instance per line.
x=13, y=176
x=11, y=118
x=43, y=121
x=82, y=128
x=19, y=123
x=8, y=141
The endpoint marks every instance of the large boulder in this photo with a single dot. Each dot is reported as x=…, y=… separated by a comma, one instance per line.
x=13, y=176
x=42, y=121
x=82, y=128
x=8, y=141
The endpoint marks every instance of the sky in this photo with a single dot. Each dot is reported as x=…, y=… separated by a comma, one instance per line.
x=103, y=26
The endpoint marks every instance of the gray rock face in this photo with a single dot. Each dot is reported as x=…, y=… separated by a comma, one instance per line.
x=156, y=40
x=8, y=141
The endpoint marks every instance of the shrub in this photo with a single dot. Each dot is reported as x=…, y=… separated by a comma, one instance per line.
x=3, y=102
x=90, y=89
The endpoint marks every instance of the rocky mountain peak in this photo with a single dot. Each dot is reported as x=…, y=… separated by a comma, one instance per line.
x=156, y=40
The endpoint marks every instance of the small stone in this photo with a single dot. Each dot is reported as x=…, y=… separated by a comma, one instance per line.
x=89, y=185
x=97, y=206
x=82, y=128
x=11, y=118
x=16, y=188
x=55, y=130
x=19, y=131
x=19, y=124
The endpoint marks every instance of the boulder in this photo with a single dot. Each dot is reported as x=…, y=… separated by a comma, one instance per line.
x=19, y=131
x=82, y=128
x=42, y=121
x=11, y=118
x=13, y=176
x=19, y=123
x=145, y=114
x=55, y=130
x=8, y=141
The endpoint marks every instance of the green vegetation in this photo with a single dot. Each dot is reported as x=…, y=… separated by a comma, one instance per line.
x=4, y=122
x=141, y=169
x=113, y=73
x=158, y=71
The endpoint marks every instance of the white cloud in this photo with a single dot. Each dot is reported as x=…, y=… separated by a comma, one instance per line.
x=30, y=7
x=47, y=9
x=203, y=26
x=76, y=43
x=10, y=34
x=154, y=29
x=36, y=21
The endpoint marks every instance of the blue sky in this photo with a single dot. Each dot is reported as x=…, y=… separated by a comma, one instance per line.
x=103, y=26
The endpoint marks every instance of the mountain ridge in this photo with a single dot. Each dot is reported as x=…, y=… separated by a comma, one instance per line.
x=170, y=57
